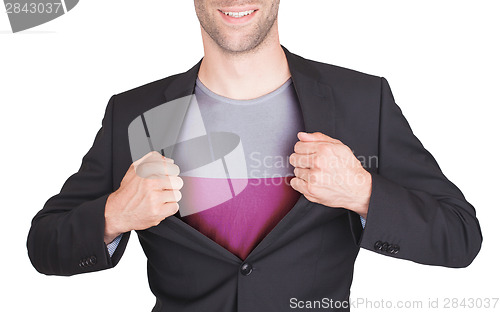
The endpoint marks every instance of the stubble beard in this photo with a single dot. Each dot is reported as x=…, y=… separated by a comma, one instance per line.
x=249, y=43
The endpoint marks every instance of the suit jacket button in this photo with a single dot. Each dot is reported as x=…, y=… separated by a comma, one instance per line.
x=384, y=246
x=378, y=245
x=396, y=249
x=83, y=263
x=390, y=249
x=246, y=269
x=93, y=260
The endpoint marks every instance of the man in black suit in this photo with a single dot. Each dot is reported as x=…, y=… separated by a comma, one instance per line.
x=305, y=254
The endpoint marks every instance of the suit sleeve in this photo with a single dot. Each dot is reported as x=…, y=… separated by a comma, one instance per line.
x=415, y=212
x=67, y=236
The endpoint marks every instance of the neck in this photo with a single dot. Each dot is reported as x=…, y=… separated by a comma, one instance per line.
x=244, y=76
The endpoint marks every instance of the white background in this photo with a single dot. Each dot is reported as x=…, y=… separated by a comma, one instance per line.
x=440, y=58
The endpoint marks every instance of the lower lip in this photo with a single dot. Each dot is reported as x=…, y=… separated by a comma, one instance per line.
x=237, y=20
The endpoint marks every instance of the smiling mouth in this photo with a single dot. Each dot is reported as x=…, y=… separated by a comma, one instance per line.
x=238, y=14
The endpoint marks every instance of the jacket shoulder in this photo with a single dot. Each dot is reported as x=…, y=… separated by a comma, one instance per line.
x=341, y=75
x=151, y=90
x=134, y=102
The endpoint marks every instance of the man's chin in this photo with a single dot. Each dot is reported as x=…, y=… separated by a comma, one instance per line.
x=239, y=46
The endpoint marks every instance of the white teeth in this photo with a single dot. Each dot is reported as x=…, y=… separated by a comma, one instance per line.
x=239, y=14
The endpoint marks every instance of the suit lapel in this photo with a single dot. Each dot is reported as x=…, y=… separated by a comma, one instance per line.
x=318, y=110
x=315, y=98
x=183, y=84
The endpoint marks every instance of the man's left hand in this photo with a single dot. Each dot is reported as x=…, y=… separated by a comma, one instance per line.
x=327, y=172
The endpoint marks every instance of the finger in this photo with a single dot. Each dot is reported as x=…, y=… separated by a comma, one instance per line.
x=302, y=160
x=170, y=196
x=157, y=169
x=172, y=169
x=172, y=183
x=301, y=173
x=310, y=147
x=170, y=160
x=147, y=156
x=302, y=147
x=152, y=156
x=171, y=208
x=135, y=164
x=301, y=186
x=138, y=162
x=316, y=136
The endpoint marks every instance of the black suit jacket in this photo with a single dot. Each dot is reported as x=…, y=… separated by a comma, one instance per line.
x=415, y=212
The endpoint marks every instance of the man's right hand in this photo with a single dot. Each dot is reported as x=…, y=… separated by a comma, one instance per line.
x=148, y=193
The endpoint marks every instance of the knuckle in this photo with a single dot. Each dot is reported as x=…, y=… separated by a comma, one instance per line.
x=144, y=166
x=313, y=177
x=172, y=169
x=169, y=183
x=172, y=183
x=316, y=161
x=177, y=195
x=301, y=161
x=345, y=149
x=296, y=147
x=141, y=170
x=327, y=149
x=178, y=182
x=322, y=148
x=172, y=208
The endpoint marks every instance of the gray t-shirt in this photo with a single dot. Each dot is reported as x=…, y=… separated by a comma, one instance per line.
x=240, y=203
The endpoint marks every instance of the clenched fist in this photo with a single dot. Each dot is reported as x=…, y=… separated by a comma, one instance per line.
x=327, y=172
x=148, y=193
